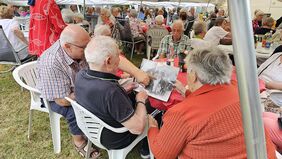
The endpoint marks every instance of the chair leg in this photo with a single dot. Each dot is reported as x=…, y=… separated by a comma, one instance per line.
x=116, y=154
x=89, y=146
x=55, y=129
x=132, y=51
x=29, y=124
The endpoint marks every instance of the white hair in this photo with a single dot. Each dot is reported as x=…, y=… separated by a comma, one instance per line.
x=67, y=15
x=106, y=12
x=159, y=19
x=179, y=23
x=78, y=15
x=65, y=37
x=199, y=27
x=102, y=30
x=211, y=65
x=99, y=48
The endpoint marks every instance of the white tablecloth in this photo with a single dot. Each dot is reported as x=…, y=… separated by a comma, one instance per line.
x=260, y=51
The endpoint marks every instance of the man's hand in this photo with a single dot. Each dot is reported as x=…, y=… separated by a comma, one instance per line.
x=152, y=122
x=142, y=77
x=142, y=96
x=130, y=86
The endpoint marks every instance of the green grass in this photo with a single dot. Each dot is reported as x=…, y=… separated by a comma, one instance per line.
x=14, y=113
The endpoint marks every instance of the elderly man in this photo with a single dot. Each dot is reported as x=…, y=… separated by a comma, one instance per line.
x=109, y=101
x=208, y=123
x=217, y=35
x=57, y=70
x=177, y=42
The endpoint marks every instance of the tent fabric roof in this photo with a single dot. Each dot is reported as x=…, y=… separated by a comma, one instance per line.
x=168, y=4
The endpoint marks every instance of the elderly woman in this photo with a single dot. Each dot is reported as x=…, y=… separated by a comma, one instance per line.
x=159, y=21
x=106, y=18
x=257, y=21
x=270, y=72
x=199, y=31
x=267, y=24
x=203, y=125
x=13, y=32
x=136, y=30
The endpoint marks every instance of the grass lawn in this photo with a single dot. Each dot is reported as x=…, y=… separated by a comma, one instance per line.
x=14, y=114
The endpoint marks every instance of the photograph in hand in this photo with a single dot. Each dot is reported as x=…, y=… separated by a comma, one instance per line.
x=163, y=79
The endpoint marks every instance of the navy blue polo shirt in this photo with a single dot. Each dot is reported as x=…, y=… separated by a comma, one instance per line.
x=101, y=94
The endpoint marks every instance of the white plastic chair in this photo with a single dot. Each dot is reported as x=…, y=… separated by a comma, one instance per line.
x=92, y=127
x=155, y=34
x=26, y=76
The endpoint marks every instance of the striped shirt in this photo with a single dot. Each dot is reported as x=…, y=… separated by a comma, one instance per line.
x=178, y=47
x=57, y=72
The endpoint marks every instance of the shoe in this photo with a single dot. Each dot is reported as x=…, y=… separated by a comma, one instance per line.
x=144, y=153
x=94, y=152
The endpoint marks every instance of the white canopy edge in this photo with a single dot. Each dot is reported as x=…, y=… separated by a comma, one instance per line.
x=118, y=2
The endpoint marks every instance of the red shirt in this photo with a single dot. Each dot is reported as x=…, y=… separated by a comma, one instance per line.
x=46, y=25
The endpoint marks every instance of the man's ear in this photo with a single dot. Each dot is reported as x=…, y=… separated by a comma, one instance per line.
x=108, y=60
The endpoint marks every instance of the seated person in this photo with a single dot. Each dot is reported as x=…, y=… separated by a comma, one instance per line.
x=78, y=18
x=257, y=21
x=277, y=36
x=97, y=89
x=136, y=30
x=267, y=24
x=199, y=29
x=217, y=35
x=208, y=122
x=13, y=33
x=270, y=121
x=177, y=42
x=67, y=16
x=57, y=69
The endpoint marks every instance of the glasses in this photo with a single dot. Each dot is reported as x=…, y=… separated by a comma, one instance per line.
x=82, y=47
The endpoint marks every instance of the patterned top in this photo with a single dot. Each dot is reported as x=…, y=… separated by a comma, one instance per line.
x=57, y=72
x=180, y=46
x=46, y=25
x=135, y=27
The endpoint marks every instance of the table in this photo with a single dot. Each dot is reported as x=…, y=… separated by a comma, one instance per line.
x=260, y=51
x=176, y=97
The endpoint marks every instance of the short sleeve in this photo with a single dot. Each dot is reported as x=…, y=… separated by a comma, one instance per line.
x=119, y=106
x=221, y=33
x=14, y=25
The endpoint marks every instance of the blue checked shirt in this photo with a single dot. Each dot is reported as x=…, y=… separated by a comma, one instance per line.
x=57, y=72
x=180, y=46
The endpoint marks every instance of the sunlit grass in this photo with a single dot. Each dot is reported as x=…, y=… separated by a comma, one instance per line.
x=14, y=113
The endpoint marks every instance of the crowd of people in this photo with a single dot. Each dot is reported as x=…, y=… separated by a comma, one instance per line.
x=84, y=65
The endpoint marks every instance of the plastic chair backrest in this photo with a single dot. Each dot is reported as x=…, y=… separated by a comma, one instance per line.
x=156, y=34
x=7, y=53
x=90, y=124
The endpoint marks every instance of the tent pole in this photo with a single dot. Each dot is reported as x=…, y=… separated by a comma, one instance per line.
x=245, y=59
x=84, y=9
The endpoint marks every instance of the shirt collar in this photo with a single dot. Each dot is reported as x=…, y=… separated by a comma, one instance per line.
x=208, y=88
x=102, y=75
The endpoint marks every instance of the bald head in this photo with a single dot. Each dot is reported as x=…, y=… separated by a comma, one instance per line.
x=73, y=40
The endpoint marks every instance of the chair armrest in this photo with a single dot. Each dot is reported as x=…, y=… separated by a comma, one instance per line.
x=22, y=84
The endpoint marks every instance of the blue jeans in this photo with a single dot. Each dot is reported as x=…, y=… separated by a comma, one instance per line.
x=68, y=113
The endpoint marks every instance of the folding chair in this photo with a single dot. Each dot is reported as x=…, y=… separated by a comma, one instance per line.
x=126, y=36
x=26, y=76
x=92, y=127
x=8, y=55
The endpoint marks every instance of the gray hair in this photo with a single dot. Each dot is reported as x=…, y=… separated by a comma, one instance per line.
x=178, y=22
x=268, y=21
x=211, y=65
x=199, y=27
x=102, y=30
x=67, y=15
x=99, y=48
x=159, y=19
x=133, y=13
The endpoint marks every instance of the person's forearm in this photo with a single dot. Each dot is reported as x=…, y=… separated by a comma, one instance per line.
x=141, y=113
x=20, y=35
x=126, y=66
x=63, y=102
x=273, y=85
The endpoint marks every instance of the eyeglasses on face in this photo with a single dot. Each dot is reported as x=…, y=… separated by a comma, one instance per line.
x=82, y=47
